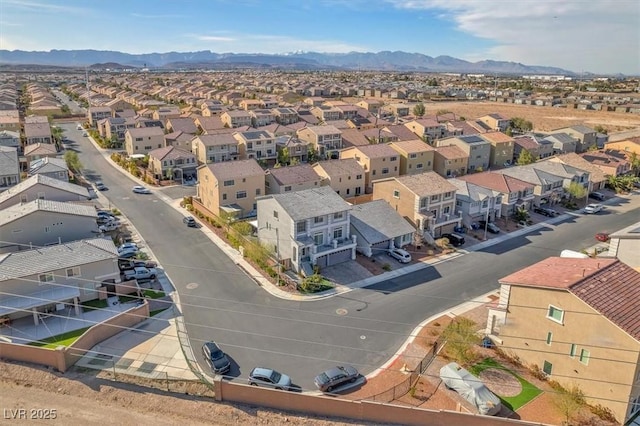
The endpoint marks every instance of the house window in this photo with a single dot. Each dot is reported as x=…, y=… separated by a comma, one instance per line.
x=45, y=278
x=448, y=195
x=419, y=166
x=318, y=238
x=384, y=171
x=318, y=220
x=393, y=159
x=549, y=338
x=241, y=194
x=555, y=314
x=287, y=188
x=73, y=272
x=224, y=197
x=396, y=194
x=435, y=197
x=40, y=195
x=337, y=233
x=228, y=183
x=547, y=367
x=258, y=190
x=275, y=214
x=413, y=155
x=358, y=177
x=358, y=190
x=374, y=172
x=572, y=350
x=446, y=209
x=584, y=356
x=301, y=226
x=47, y=229
x=338, y=215
x=423, y=203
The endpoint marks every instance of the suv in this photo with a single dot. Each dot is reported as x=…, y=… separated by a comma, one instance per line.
x=333, y=377
x=189, y=221
x=216, y=359
x=593, y=208
x=597, y=196
x=545, y=211
x=400, y=255
x=455, y=240
x=491, y=227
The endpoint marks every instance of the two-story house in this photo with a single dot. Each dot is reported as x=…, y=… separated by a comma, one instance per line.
x=97, y=113
x=587, y=137
x=597, y=178
x=292, y=178
x=234, y=119
x=215, y=148
x=379, y=161
x=10, y=139
x=476, y=202
x=538, y=148
x=42, y=187
x=53, y=167
x=307, y=229
x=495, y=122
x=577, y=321
x=415, y=156
x=562, y=143
x=166, y=111
x=258, y=144
x=142, y=140
x=325, y=140
x=345, y=177
x=9, y=167
x=250, y=104
x=502, y=146
x=426, y=200
x=450, y=161
x=285, y=115
x=427, y=129
x=262, y=117
x=326, y=113
x=170, y=162
x=568, y=173
x=477, y=149
x=230, y=187
x=547, y=187
x=37, y=133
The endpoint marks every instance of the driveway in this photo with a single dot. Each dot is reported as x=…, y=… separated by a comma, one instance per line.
x=346, y=273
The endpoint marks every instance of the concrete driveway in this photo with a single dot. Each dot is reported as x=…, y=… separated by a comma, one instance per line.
x=346, y=273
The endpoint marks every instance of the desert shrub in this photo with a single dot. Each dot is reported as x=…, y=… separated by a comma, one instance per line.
x=604, y=413
x=386, y=267
x=461, y=339
x=314, y=284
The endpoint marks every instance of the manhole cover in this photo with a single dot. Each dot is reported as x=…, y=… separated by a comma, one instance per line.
x=191, y=286
x=341, y=311
x=363, y=337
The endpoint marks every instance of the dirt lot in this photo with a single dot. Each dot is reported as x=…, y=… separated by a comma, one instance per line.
x=86, y=399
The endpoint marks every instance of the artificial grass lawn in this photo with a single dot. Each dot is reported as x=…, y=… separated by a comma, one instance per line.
x=94, y=304
x=529, y=391
x=156, y=312
x=153, y=294
x=64, y=339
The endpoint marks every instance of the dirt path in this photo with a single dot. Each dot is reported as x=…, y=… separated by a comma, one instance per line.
x=30, y=393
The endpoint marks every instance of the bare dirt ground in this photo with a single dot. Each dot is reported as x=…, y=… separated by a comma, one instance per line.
x=86, y=399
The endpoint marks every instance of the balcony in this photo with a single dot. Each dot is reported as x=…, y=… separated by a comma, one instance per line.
x=339, y=244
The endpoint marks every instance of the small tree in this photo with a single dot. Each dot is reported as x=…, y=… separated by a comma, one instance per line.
x=601, y=129
x=283, y=156
x=576, y=190
x=569, y=401
x=634, y=161
x=312, y=155
x=419, y=110
x=72, y=160
x=461, y=339
x=521, y=214
x=525, y=158
x=521, y=124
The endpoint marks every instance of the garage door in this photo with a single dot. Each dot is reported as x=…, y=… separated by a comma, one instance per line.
x=321, y=261
x=380, y=247
x=339, y=257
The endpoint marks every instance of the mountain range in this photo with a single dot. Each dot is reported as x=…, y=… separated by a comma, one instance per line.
x=380, y=61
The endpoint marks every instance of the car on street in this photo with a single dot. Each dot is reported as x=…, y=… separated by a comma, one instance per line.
x=491, y=227
x=544, y=211
x=128, y=246
x=593, y=208
x=602, y=237
x=400, y=255
x=330, y=379
x=455, y=240
x=79, y=127
x=189, y=221
x=267, y=377
x=216, y=359
x=140, y=273
x=138, y=189
x=100, y=186
x=85, y=134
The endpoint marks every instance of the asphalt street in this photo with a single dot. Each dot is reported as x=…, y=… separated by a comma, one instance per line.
x=364, y=327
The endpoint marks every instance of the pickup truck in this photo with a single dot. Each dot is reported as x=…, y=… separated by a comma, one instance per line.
x=140, y=273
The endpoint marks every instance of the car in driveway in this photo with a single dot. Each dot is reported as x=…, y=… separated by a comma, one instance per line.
x=128, y=254
x=109, y=226
x=593, y=208
x=334, y=377
x=400, y=255
x=189, y=221
x=127, y=264
x=597, y=196
x=216, y=359
x=544, y=211
x=267, y=377
x=140, y=273
x=138, y=189
x=455, y=240
x=490, y=226
x=100, y=186
x=128, y=246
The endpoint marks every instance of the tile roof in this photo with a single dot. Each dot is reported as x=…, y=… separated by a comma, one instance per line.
x=9, y=162
x=294, y=174
x=412, y=146
x=428, y=183
x=217, y=139
x=40, y=149
x=497, y=181
x=377, y=150
x=18, y=211
x=497, y=137
x=310, y=203
x=377, y=221
x=235, y=169
x=401, y=132
x=145, y=131
x=44, y=180
x=335, y=168
x=451, y=152
x=47, y=164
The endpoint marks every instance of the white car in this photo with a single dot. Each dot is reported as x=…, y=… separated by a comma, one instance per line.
x=593, y=208
x=140, y=273
x=141, y=190
x=128, y=246
x=109, y=226
x=400, y=255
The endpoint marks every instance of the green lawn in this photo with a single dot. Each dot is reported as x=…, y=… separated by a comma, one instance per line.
x=153, y=294
x=91, y=305
x=528, y=393
x=156, y=312
x=64, y=339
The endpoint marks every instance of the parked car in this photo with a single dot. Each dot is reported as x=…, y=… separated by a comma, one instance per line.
x=128, y=246
x=127, y=254
x=597, y=196
x=100, y=186
x=491, y=227
x=138, y=189
x=400, y=255
x=85, y=134
x=105, y=214
x=127, y=264
x=334, y=377
x=455, y=240
x=140, y=273
x=216, y=359
x=602, y=237
x=593, y=208
x=79, y=127
x=270, y=378
x=109, y=226
x=189, y=221
x=545, y=211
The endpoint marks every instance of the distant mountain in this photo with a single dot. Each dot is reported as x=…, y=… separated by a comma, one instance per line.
x=381, y=61
x=109, y=66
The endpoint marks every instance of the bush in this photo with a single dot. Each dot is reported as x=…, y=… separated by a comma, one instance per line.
x=386, y=267
x=314, y=284
x=604, y=413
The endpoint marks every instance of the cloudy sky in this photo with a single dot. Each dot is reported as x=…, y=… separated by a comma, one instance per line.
x=600, y=36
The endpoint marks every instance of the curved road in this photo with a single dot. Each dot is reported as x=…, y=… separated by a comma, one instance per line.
x=364, y=327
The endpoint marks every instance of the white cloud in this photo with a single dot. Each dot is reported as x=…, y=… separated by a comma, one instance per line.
x=214, y=38
x=595, y=35
x=268, y=43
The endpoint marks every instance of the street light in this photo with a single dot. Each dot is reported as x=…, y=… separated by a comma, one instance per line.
x=486, y=224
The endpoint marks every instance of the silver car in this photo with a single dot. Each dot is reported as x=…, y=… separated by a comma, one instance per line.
x=270, y=378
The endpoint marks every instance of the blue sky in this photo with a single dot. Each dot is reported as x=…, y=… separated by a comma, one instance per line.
x=601, y=36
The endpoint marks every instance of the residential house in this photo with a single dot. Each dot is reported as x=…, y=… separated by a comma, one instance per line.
x=427, y=129
x=297, y=150
x=476, y=202
x=291, y=178
x=37, y=133
x=628, y=145
x=170, y=162
x=400, y=132
x=45, y=222
x=569, y=174
x=258, y=144
x=10, y=122
x=515, y=193
x=577, y=320
x=415, y=156
x=477, y=149
x=378, y=161
x=345, y=177
x=262, y=117
x=326, y=113
x=625, y=245
x=9, y=167
x=115, y=127
x=50, y=166
x=97, y=113
x=206, y=124
x=215, y=148
x=42, y=187
x=502, y=147
x=39, y=150
x=231, y=187
x=250, y=104
x=587, y=137
x=285, y=115
x=370, y=105
x=538, y=148
x=165, y=112
x=495, y=122
x=396, y=110
x=597, y=178
x=10, y=139
x=426, y=200
x=378, y=227
x=55, y=278
x=179, y=139
x=547, y=187
x=562, y=143
x=611, y=163
x=325, y=140
x=450, y=161
x=234, y=119
x=180, y=124
x=307, y=229
x=141, y=140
